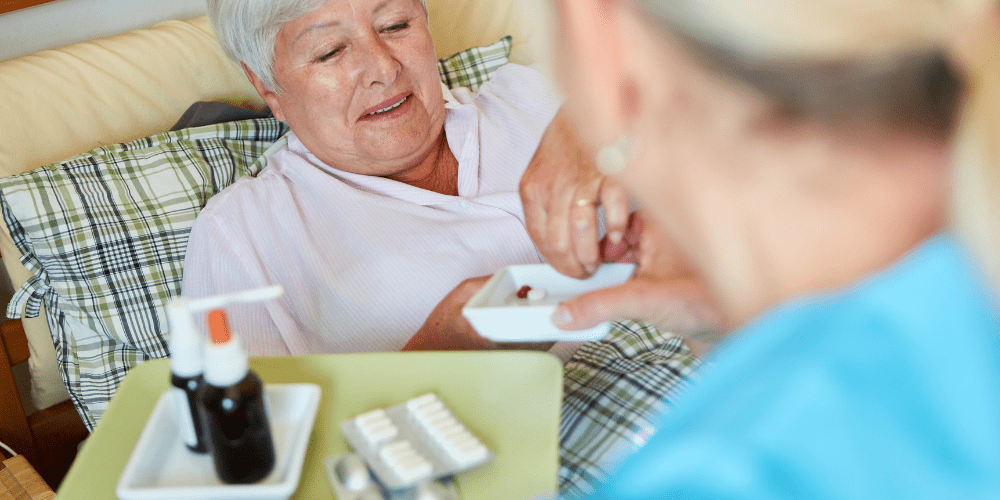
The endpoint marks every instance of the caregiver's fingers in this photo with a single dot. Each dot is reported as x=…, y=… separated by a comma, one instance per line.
x=681, y=305
x=583, y=227
x=549, y=187
x=613, y=197
x=627, y=248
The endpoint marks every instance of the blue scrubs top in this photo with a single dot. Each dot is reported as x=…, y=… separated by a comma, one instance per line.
x=889, y=389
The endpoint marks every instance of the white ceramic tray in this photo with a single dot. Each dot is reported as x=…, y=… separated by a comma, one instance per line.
x=497, y=314
x=162, y=468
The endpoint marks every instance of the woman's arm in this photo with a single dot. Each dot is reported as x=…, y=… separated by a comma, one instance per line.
x=446, y=329
x=212, y=265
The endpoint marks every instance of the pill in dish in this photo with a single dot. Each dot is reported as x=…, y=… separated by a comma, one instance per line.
x=530, y=293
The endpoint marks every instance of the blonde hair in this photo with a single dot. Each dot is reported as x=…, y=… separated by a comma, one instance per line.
x=889, y=58
x=976, y=172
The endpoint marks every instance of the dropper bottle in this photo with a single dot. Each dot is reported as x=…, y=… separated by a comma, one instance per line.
x=233, y=412
x=186, y=367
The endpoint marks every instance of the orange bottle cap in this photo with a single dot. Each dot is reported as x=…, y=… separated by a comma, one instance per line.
x=218, y=326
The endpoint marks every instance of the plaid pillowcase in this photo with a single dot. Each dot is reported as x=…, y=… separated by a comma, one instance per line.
x=104, y=234
x=614, y=393
x=473, y=67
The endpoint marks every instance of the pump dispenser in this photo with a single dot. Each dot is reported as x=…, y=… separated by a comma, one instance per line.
x=233, y=412
x=186, y=366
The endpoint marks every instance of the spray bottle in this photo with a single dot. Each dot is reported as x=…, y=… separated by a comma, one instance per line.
x=186, y=367
x=234, y=417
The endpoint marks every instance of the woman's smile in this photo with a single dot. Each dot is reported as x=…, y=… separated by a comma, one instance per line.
x=359, y=85
x=389, y=109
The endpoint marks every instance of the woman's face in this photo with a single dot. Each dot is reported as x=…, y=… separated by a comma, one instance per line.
x=359, y=84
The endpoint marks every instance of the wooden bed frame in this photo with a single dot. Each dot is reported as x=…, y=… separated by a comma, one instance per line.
x=12, y=5
x=47, y=438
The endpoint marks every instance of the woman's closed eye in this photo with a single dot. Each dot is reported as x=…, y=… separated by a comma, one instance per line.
x=393, y=28
x=396, y=27
x=325, y=56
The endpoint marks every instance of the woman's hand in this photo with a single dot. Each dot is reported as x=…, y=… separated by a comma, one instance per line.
x=446, y=328
x=561, y=190
x=664, y=292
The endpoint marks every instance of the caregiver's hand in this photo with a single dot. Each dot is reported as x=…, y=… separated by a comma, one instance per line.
x=561, y=190
x=664, y=292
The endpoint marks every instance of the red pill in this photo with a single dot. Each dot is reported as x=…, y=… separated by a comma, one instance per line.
x=523, y=292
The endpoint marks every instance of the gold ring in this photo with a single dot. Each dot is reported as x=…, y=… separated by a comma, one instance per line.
x=583, y=202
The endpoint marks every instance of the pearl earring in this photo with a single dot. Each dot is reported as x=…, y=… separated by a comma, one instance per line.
x=613, y=158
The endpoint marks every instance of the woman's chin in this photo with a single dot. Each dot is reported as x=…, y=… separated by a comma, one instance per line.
x=392, y=155
x=401, y=148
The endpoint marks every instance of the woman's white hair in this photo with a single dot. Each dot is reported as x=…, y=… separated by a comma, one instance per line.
x=885, y=52
x=247, y=29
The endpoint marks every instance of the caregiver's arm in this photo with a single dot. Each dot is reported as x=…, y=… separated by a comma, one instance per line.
x=561, y=190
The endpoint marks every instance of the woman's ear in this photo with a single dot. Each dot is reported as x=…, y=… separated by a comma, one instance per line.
x=269, y=96
x=974, y=37
x=589, y=63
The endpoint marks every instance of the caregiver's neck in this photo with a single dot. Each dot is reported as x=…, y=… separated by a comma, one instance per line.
x=853, y=204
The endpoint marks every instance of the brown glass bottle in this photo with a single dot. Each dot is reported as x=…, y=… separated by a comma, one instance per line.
x=232, y=408
x=238, y=431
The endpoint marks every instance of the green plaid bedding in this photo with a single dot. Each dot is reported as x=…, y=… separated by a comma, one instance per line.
x=104, y=234
x=614, y=392
x=473, y=67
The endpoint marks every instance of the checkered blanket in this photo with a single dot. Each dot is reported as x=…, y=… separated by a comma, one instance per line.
x=614, y=392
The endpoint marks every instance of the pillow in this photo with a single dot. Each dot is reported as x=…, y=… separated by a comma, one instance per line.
x=104, y=235
x=473, y=67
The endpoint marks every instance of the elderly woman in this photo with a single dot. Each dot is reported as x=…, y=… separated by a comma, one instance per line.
x=799, y=155
x=390, y=192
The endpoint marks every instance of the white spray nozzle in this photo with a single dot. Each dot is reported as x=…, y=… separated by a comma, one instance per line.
x=186, y=341
x=217, y=301
x=186, y=357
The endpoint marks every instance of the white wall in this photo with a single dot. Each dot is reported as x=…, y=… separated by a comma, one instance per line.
x=63, y=22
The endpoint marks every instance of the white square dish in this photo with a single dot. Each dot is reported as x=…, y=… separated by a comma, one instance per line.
x=498, y=314
x=161, y=467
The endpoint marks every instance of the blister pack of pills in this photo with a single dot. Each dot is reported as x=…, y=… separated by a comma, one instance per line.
x=411, y=442
x=351, y=479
